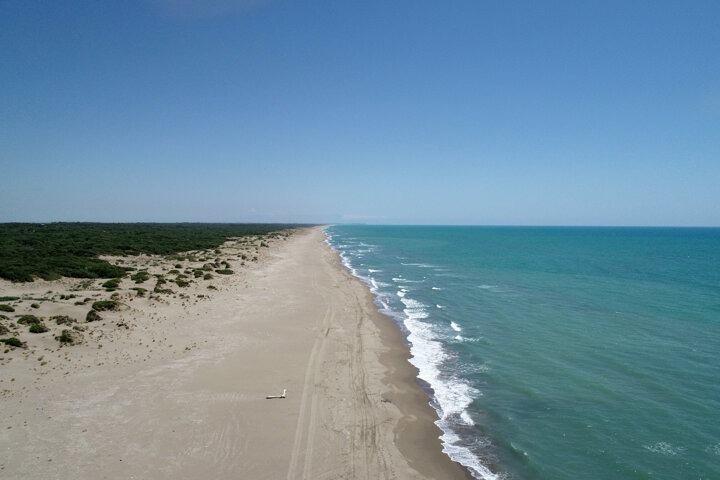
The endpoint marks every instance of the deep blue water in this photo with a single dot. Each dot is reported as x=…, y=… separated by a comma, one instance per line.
x=559, y=353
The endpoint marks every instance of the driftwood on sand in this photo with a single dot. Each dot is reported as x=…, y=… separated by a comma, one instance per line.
x=277, y=396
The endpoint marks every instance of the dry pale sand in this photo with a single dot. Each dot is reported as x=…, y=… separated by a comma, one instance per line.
x=180, y=393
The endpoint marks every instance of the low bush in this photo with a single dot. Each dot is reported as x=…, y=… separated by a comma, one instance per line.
x=6, y=308
x=140, y=277
x=9, y=299
x=67, y=336
x=207, y=276
x=182, y=283
x=35, y=305
x=62, y=319
x=13, y=342
x=140, y=291
x=103, y=305
x=224, y=271
x=159, y=289
x=38, y=328
x=111, y=284
x=28, y=320
x=93, y=316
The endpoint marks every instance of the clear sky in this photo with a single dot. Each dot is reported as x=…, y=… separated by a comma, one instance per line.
x=475, y=112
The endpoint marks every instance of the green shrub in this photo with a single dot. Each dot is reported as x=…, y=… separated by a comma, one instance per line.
x=178, y=265
x=62, y=319
x=212, y=287
x=38, y=328
x=28, y=320
x=6, y=308
x=93, y=316
x=207, y=276
x=159, y=289
x=9, y=299
x=140, y=277
x=66, y=336
x=103, y=305
x=13, y=342
x=224, y=271
x=182, y=283
x=3, y=329
x=111, y=284
x=140, y=291
x=35, y=305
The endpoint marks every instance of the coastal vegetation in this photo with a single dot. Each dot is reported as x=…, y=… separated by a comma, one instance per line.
x=103, y=305
x=50, y=251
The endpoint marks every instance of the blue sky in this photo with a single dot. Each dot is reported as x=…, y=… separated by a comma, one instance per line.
x=471, y=112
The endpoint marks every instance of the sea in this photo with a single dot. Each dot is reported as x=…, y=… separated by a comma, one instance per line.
x=557, y=353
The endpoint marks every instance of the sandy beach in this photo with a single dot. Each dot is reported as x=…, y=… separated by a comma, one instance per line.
x=177, y=388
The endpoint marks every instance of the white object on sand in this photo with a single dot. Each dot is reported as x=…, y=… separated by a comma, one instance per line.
x=277, y=396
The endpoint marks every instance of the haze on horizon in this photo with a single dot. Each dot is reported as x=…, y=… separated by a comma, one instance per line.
x=474, y=112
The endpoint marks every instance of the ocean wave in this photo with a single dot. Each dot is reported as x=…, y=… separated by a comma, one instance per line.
x=420, y=265
x=664, y=448
x=455, y=327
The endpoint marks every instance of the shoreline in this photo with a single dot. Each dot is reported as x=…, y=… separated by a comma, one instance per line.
x=408, y=393
x=176, y=385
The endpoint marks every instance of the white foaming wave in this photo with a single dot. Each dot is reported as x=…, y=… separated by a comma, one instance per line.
x=487, y=287
x=421, y=265
x=436, y=288
x=439, y=306
x=455, y=327
x=452, y=396
x=664, y=448
x=413, y=308
x=372, y=270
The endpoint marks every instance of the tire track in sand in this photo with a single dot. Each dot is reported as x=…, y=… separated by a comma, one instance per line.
x=309, y=382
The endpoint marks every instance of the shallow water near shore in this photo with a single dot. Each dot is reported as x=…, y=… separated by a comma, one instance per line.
x=558, y=353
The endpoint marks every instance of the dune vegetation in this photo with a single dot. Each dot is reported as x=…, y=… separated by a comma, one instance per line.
x=54, y=250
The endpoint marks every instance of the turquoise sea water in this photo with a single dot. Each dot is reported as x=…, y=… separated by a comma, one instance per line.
x=559, y=353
